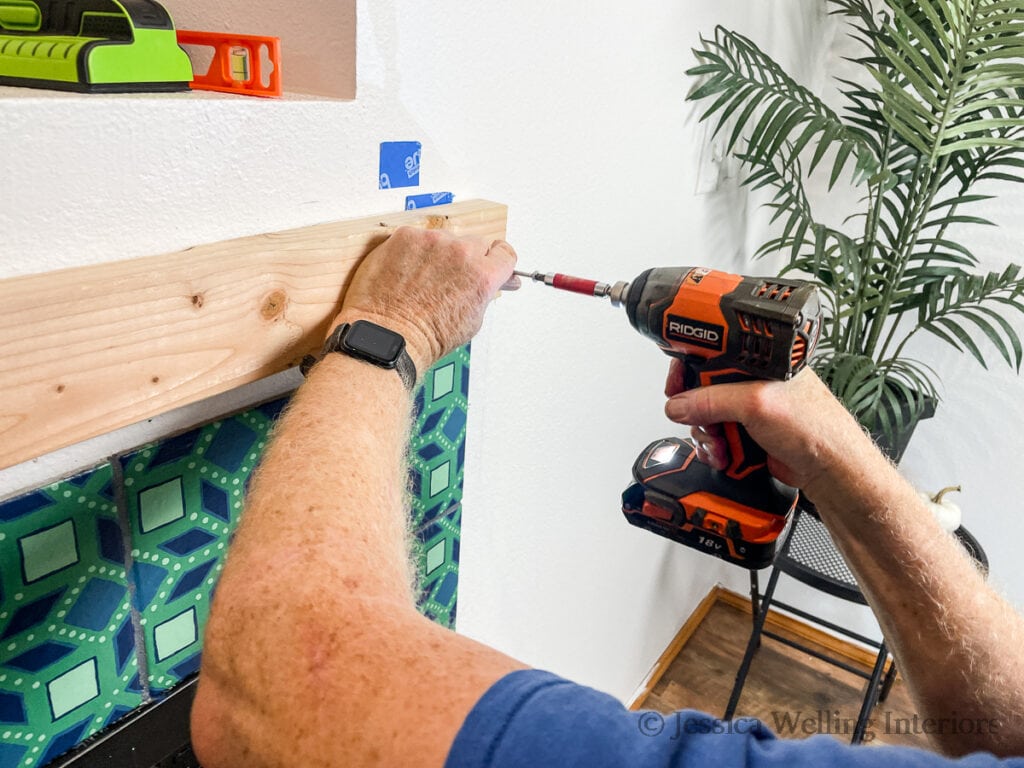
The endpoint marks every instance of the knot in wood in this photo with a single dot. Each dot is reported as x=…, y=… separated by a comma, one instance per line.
x=274, y=305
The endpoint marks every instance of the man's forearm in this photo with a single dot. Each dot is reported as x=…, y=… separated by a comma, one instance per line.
x=956, y=642
x=317, y=573
x=314, y=653
x=342, y=440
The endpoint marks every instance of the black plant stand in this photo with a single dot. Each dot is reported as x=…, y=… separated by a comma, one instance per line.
x=809, y=556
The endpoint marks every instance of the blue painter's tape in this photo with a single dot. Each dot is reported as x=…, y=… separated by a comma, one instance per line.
x=425, y=201
x=399, y=164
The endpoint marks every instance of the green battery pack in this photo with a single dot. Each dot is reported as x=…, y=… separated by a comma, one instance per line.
x=91, y=46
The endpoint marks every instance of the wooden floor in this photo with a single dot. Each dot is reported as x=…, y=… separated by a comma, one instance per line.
x=792, y=692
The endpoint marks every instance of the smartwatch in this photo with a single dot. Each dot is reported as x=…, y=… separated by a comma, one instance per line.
x=372, y=344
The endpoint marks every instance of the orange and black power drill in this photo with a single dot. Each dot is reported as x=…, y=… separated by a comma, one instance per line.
x=724, y=328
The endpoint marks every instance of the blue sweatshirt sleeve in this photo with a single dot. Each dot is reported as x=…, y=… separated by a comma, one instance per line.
x=531, y=719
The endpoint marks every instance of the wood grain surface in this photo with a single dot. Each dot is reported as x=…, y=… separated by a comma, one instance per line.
x=91, y=349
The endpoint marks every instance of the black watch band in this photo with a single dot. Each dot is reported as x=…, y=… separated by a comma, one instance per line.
x=372, y=344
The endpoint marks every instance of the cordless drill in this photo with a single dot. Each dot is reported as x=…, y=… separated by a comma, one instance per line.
x=723, y=328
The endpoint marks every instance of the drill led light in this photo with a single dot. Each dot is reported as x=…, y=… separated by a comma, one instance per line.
x=663, y=454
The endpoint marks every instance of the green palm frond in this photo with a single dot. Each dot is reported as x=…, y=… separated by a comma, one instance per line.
x=789, y=201
x=864, y=24
x=841, y=266
x=885, y=396
x=829, y=256
x=995, y=164
x=943, y=251
x=894, y=195
x=957, y=308
x=999, y=162
x=864, y=110
x=948, y=64
x=939, y=109
x=936, y=259
x=752, y=90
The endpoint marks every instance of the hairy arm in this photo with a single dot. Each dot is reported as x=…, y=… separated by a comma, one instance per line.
x=314, y=653
x=957, y=643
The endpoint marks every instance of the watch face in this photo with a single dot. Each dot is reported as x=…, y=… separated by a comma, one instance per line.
x=374, y=343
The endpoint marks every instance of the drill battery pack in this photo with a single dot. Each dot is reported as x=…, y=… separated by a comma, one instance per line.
x=672, y=497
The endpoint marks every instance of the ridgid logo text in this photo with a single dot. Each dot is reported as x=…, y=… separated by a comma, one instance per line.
x=694, y=332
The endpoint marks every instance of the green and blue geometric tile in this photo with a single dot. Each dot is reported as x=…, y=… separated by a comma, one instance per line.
x=183, y=498
x=437, y=456
x=68, y=665
x=69, y=645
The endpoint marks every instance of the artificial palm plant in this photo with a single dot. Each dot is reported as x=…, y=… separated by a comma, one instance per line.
x=940, y=107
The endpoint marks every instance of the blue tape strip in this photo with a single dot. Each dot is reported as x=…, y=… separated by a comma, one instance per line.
x=426, y=201
x=399, y=164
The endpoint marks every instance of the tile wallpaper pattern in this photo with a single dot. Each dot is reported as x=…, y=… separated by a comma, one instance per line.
x=106, y=577
x=437, y=455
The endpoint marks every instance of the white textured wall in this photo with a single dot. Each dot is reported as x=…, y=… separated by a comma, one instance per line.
x=573, y=114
